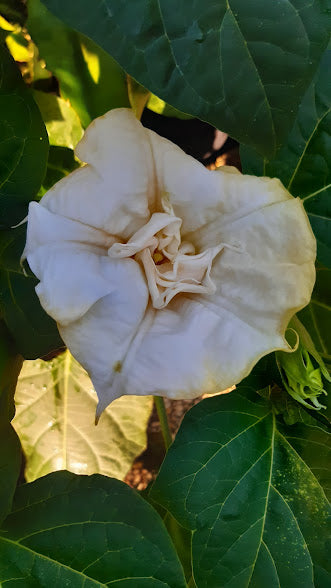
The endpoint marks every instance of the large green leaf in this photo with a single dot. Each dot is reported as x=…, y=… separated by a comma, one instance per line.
x=62, y=123
x=55, y=413
x=242, y=66
x=92, y=81
x=81, y=531
x=303, y=164
x=317, y=315
x=10, y=449
x=34, y=332
x=251, y=490
x=23, y=143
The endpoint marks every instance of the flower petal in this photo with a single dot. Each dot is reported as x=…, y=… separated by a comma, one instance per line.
x=199, y=195
x=193, y=347
x=70, y=259
x=113, y=192
x=271, y=274
x=105, y=338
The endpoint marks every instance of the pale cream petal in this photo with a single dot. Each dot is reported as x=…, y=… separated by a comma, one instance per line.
x=47, y=227
x=114, y=191
x=193, y=347
x=199, y=195
x=271, y=274
x=105, y=338
x=212, y=342
x=70, y=260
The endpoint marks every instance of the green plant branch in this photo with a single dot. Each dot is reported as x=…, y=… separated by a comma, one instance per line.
x=162, y=414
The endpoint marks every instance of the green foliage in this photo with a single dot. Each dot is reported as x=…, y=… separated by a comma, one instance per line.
x=160, y=107
x=252, y=492
x=85, y=531
x=34, y=332
x=23, y=145
x=245, y=481
x=226, y=64
x=61, y=162
x=55, y=408
x=303, y=370
x=303, y=162
x=13, y=10
x=89, y=78
x=317, y=315
x=10, y=463
x=10, y=449
x=62, y=123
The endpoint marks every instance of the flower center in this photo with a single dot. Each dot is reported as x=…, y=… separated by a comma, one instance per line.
x=171, y=266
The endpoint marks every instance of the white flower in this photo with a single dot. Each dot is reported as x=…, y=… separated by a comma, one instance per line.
x=164, y=277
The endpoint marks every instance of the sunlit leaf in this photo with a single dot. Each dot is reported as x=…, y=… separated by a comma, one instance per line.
x=252, y=491
x=89, y=78
x=23, y=143
x=55, y=414
x=161, y=107
x=224, y=62
x=85, y=532
x=62, y=123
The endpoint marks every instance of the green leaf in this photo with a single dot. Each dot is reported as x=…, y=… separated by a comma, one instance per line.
x=10, y=449
x=263, y=374
x=242, y=66
x=10, y=464
x=13, y=10
x=81, y=531
x=89, y=78
x=303, y=163
x=23, y=143
x=61, y=162
x=10, y=367
x=317, y=315
x=34, y=332
x=160, y=107
x=62, y=123
x=55, y=413
x=251, y=490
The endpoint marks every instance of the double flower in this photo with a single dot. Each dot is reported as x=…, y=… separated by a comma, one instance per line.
x=164, y=277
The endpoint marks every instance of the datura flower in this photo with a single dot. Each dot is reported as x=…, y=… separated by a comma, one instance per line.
x=166, y=278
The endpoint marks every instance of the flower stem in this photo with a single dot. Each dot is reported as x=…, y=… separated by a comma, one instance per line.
x=162, y=414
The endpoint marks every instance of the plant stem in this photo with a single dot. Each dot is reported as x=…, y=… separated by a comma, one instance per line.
x=162, y=414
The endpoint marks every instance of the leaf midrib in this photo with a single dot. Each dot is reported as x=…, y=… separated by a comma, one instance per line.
x=52, y=561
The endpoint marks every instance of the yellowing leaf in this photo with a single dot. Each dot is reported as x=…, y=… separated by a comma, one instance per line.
x=55, y=421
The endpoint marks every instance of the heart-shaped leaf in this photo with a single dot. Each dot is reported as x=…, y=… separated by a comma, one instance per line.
x=303, y=163
x=227, y=62
x=55, y=412
x=81, y=531
x=23, y=144
x=252, y=491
